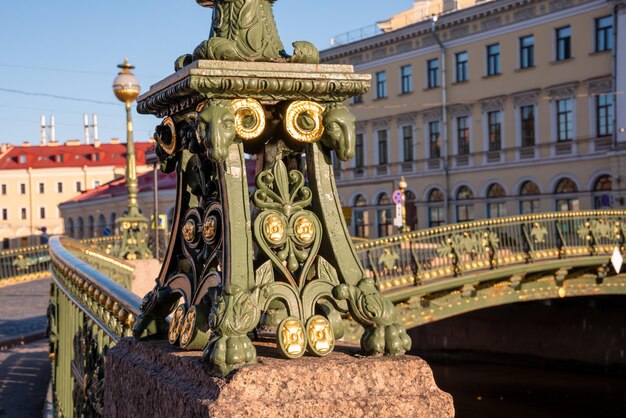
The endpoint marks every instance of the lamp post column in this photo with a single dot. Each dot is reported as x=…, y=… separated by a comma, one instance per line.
x=133, y=225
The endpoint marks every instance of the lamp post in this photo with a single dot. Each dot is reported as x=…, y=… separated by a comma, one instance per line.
x=402, y=185
x=132, y=224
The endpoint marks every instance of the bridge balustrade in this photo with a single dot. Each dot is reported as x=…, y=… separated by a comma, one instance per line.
x=30, y=263
x=434, y=255
x=89, y=312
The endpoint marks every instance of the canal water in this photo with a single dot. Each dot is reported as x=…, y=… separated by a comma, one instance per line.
x=484, y=390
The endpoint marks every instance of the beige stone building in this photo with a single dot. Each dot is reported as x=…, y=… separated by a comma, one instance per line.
x=35, y=179
x=500, y=108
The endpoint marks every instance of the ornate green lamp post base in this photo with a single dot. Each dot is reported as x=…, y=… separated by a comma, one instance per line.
x=228, y=266
x=134, y=242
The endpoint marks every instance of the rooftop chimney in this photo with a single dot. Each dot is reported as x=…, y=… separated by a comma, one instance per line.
x=44, y=140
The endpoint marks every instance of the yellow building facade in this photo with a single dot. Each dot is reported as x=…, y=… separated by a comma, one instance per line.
x=34, y=180
x=502, y=108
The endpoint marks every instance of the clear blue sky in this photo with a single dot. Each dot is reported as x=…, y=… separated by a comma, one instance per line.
x=71, y=48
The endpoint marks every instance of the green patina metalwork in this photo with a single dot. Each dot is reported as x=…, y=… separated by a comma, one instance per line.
x=289, y=256
x=440, y=272
x=31, y=263
x=245, y=30
x=88, y=313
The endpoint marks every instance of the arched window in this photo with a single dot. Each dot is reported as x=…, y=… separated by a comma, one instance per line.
x=69, y=227
x=602, y=188
x=568, y=201
x=360, y=217
x=495, y=201
x=410, y=201
x=436, y=210
x=80, y=228
x=113, y=225
x=385, y=220
x=91, y=227
x=464, y=210
x=529, y=197
x=102, y=223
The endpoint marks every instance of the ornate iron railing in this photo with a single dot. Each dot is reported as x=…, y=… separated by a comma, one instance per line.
x=33, y=262
x=487, y=247
x=88, y=313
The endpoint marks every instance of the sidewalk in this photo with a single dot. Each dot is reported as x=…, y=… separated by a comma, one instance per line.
x=23, y=309
x=24, y=378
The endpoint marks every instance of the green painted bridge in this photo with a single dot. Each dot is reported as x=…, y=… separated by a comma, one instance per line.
x=450, y=270
x=430, y=275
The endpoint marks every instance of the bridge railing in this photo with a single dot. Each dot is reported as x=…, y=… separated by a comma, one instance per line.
x=28, y=263
x=434, y=254
x=89, y=312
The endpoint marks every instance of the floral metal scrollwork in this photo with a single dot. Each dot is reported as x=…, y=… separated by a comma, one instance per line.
x=287, y=233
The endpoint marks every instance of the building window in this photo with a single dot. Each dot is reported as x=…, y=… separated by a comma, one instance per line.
x=58, y=158
x=406, y=79
x=407, y=143
x=495, y=201
x=22, y=188
x=96, y=183
x=604, y=114
x=602, y=193
x=42, y=213
x=464, y=210
x=493, y=59
x=5, y=214
x=22, y=159
x=383, y=155
x=527, y=114
x=3, y=189
x=604, y=33
x=564, y=120
x=563, y=43
x=358, y=99
x=529, y=201
x=381, y=85
x=79, y=186
x=432, y=67
x=527, y=51
x=361, y=217
x=461, y=66
x=5, y=243
x=23, y=214
x=434, y=140
x=462, y=134
x=566, y=203
x=59, y=187
x=494, y=121
x=42, y=188
x=385, y=221
x=359, y=156
x=436, y=210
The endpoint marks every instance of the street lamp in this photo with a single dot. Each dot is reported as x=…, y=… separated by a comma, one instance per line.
x=132, y=224
x=402, y=185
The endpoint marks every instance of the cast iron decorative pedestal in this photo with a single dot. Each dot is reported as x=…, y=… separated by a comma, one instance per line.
x=280, y=255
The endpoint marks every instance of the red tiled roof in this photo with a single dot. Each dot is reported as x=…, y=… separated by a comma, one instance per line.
x=21, y=157
x=145, y=181
x=117, y=187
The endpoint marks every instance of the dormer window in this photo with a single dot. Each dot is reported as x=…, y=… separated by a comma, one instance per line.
x=58, y=158
x=95, y=157
x=22, y=159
